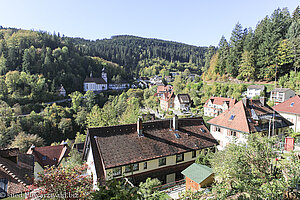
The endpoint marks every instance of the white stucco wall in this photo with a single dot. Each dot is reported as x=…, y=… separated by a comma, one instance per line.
x=37, y=169
x=91, y=167
x=224, y=139
x=253, y=92
x=94, y=87
x=295, y=119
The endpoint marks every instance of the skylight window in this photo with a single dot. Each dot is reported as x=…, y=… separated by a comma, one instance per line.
x=177, y=135
x=231, y=117
x=292, y=104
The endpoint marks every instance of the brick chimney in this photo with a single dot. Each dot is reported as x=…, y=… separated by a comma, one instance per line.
x=262, y=100
x=245, y=101
x=140, y=127
x=175, y=122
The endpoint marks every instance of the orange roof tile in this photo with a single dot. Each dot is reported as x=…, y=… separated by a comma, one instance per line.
x=245, y=118
x=291, y=105
x=220, y=101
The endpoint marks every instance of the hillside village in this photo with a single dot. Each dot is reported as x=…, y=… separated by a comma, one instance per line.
x=163, y=147
x=137, y=118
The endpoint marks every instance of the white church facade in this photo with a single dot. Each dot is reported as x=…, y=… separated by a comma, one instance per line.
x=96, y=84
x=101, y=84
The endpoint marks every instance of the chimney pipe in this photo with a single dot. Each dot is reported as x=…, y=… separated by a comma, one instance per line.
x=140, y=127
x=175, y=122
x=245, y=101
x=262, y=100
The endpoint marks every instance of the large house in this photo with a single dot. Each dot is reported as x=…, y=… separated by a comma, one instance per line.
x=162, y=89
x=290, y=109
x=157, y=149
x=254, y=90
x=244, y=118
x=48, y=156
x=280, y=95
x=216, y=105
x=167, y=100
x=16, y=171
x=182, y=102
x=96, y=84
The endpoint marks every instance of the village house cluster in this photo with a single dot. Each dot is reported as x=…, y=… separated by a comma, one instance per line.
x=165, y=149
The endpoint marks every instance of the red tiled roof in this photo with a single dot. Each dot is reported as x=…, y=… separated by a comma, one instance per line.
x=162, y=88
x=243, y=119
x=220, y=101
x=238, y=123
x=94, y=80
x=120, y=145
x=49, y=155
x=288, y=107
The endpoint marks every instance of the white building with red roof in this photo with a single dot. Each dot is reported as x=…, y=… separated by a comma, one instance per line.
x=290, y=109
x=244, y=118
x=216, y=105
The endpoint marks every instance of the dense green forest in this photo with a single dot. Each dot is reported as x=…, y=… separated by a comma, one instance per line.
x=269, y=51
x=129, y=50
x=54, y=57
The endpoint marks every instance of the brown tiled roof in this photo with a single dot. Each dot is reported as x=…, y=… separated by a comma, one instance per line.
x=9, y=152
x=256, y=87
x=254, y=117
x=23, y=175
x=281, y=89
x=120, y=145
x=95, y=80
x=49, y=155
x=220, y=101
x=291, y=105
x=184, y=98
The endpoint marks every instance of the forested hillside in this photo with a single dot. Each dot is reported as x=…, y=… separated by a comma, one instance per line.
x=270, y=50
x=129, y=50
x=54, y=57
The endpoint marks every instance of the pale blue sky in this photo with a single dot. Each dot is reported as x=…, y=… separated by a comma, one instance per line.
x=196, y=22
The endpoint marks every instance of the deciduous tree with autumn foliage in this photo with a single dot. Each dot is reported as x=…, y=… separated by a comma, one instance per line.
x=62, y=183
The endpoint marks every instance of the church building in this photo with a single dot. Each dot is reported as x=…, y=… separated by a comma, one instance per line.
x=96, y=84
